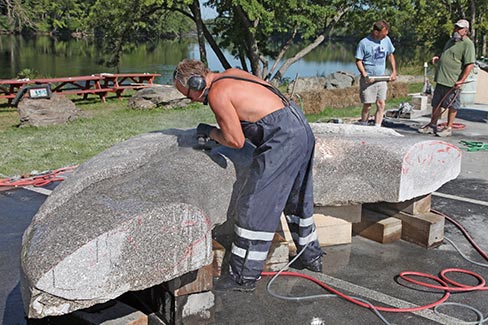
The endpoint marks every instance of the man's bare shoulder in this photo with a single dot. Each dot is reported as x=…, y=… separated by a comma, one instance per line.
x=241, y=74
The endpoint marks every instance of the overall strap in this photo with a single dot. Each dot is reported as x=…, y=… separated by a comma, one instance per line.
x=275, y=91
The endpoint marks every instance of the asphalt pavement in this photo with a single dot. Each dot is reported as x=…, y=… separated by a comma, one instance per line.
x=364, y=268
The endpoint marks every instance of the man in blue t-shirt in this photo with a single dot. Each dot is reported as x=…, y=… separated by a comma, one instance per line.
x=371, y=56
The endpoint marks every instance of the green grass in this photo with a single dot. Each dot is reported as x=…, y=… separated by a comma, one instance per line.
x=29, y=149
x=329, y=113
x=45, y=148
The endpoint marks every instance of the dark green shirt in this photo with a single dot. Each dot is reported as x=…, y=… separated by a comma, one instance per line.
x=454, y=58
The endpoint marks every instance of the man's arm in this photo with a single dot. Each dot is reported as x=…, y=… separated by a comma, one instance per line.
x=391, y=59
x=362, y=70
x=230, y=133
x=464, y=75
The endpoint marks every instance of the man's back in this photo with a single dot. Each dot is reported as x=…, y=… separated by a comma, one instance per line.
x=250, y=100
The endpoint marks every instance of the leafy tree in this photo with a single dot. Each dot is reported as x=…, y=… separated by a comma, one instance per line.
x=17, y=15
x=120, y=24
x=251, y=29
x=479, y=20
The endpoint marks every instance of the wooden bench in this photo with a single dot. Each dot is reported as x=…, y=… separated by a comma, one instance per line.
x=9, y=88
x=120, y=89
x=96, y=84
x=119, y=82
x=7, y=96
x=102, y=93
x=80, y=85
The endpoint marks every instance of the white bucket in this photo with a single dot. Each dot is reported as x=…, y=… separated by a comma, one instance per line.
x=468, y=92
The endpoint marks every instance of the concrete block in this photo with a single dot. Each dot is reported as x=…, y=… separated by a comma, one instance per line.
x=419, y=102
x=197, y=308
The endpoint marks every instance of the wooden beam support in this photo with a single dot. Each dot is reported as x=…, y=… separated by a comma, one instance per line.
x=418, y=205
x=350, y=213
x=278, y=255
x=424, y=229
x=218, y=257
x=378, y=227
x=332, y=231
x=192, y=282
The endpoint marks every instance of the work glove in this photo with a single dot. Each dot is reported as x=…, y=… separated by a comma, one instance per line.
x=203, y=130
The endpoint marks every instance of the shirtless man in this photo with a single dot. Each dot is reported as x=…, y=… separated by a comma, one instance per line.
x=280, y=177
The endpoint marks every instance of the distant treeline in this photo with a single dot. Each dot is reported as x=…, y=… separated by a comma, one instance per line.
x=250, y=29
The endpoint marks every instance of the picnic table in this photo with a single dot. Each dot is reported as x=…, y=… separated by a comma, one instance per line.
x=119, y=82
x=80, y=85
x=10, y=87
x=96, y=84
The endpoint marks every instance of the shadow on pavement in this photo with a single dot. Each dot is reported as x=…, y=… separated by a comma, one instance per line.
x=472, y=115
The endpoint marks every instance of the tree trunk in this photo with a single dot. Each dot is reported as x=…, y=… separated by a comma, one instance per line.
x=195, y=9
x=211, y=41
x=218, y=52
x=473, y=21
x=285, y=48
x=483, y=46
x=250, y=41
x=297, y=57
x=329, y=26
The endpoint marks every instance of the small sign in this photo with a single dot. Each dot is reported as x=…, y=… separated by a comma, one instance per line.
x=42, y=91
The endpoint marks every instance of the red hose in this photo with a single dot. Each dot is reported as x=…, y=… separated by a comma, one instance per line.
x=447, y=285
x=465, y=233
x=455, y=125
x=38, y=180
x=362, y=304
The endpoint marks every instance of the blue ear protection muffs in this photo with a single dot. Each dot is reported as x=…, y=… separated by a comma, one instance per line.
x=197, y=83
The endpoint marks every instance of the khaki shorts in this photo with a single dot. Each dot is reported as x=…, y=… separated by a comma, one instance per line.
x=371, y=92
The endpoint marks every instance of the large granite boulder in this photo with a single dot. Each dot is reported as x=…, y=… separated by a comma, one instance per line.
x=141, y=213
x=47, y=111
x=166, y=96
x=360, y=164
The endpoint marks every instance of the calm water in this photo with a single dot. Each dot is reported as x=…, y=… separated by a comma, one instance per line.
x=49, y=57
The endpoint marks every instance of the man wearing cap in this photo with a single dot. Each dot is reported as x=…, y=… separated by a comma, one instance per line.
x=453, y=68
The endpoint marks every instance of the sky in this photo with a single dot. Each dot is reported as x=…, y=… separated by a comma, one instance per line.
x=207, y=12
